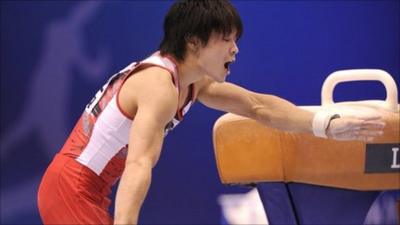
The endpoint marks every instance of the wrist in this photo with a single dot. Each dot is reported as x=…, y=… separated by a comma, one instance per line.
x=321, y=122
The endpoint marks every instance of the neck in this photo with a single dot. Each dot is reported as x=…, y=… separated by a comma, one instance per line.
x=189, y=72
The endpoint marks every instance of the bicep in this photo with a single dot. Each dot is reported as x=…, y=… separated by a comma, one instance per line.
x=156, y=105
x=227, y=97
x=146, y=136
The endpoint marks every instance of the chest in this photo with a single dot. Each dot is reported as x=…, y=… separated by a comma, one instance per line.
x=184, y=97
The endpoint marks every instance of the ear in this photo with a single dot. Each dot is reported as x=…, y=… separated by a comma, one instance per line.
x=193, y=43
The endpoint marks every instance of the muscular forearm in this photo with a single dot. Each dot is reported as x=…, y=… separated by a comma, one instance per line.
x=131, y=192
x=281, y=114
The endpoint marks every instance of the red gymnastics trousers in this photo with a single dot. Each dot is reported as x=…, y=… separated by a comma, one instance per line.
x=70, y=193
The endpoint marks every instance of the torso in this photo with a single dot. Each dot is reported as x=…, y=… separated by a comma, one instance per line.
x=99, y=139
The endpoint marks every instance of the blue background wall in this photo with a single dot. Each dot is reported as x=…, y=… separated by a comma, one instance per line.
x=55, y=55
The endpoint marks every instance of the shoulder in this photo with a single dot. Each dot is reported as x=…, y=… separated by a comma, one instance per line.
x=151, y=88
x=154, y=80
x=155, y=74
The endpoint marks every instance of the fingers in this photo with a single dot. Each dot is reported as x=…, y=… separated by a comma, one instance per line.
x=358, y=124
x=353, y=137
x=369, y=132
x=364, y=132
x=358, y=134
x=363, y=129
x=355, y=129
x=367, y=118
x=373, y=124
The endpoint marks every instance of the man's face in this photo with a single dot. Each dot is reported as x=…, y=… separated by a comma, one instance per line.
x=215, y=57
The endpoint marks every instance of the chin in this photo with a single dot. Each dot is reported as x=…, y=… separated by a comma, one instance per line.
x=218, y=78
x=221, y=79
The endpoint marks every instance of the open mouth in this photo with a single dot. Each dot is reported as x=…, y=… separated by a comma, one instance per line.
x=226, y=65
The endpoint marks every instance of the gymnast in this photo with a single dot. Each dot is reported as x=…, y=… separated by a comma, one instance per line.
x=120, y=133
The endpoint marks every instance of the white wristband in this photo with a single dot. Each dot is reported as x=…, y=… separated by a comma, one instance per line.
x=321, y=122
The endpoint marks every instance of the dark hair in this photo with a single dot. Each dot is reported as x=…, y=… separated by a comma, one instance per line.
x=197, y=18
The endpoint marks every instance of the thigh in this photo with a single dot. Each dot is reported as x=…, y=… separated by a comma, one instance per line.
x=59, y=200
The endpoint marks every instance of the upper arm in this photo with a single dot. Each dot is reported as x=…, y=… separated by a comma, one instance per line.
x=155, y=99
x=267, y=109
x=227, y=97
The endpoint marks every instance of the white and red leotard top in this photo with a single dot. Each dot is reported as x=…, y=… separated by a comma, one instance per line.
x=100, y=138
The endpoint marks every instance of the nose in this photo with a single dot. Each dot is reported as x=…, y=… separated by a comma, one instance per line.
x=235, y=49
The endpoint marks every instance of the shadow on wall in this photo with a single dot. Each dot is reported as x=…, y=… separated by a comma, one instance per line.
x=47, y=99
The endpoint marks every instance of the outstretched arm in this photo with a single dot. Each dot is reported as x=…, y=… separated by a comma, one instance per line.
x=278, y=113
x=155, y=99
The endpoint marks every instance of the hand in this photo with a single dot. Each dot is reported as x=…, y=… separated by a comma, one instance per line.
x=350, y=128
